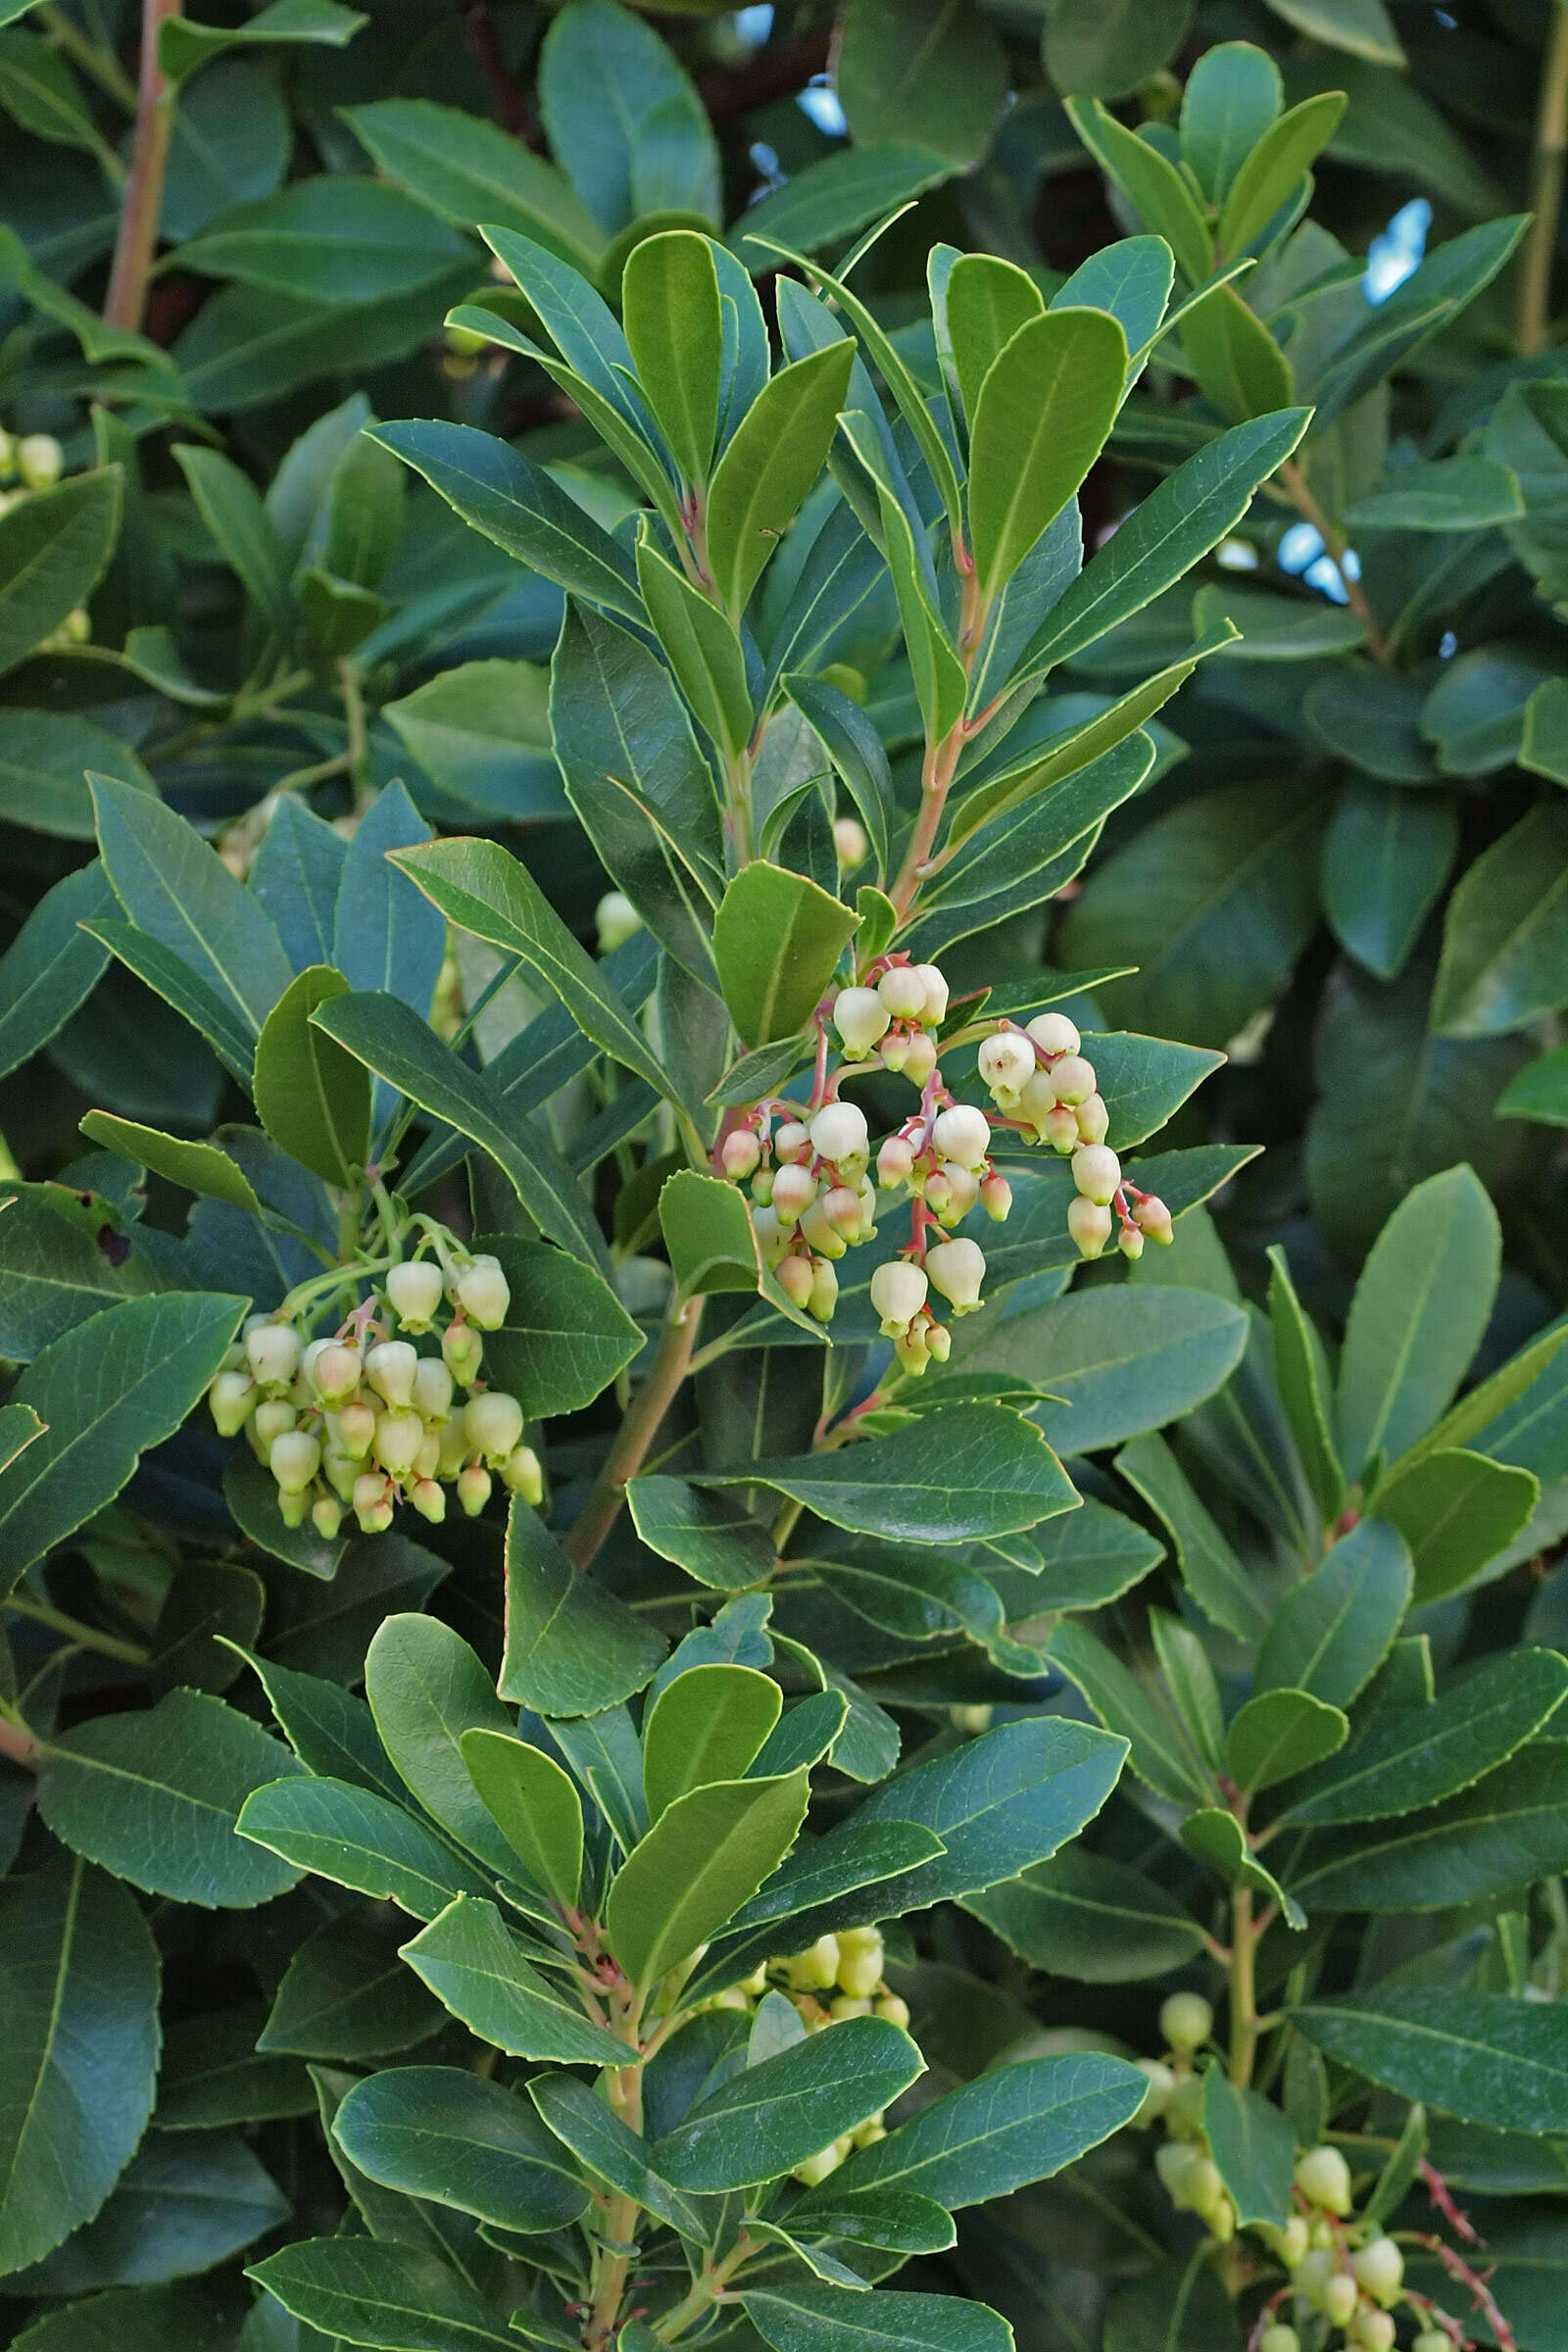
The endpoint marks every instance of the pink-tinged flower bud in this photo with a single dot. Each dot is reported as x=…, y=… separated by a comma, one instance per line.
x=849, y=842
x=939, y=1340
x=903, y=990
x=897, y=1294
x=233, y=1398
x=389, y=1368
x=1089, y=1224
x=272, y=1351
x=1060, y=1129
x=937, y=1192
x=1007, y=1064
x=483, y=1293
x=865, y=1195
x=963, y=1133
x=791, y=1141
x=413, y=1293
x=462, y=1352
x=796, y=1275
x=893, y=1049
x=1130, y=1242
x=920, y=1058
x=820, y=1234
x=429, y=1499
x=294, y=1457
x=327, y=1517
x=1094, y=1119
x=433, y=1390
x=842, y=1210
x=1073, y=1079
x=793, y=1191
x=1053, y=1033
x=473, y=1489
x=373, y=1503
x=427, y=1461
x=521, y=1474
x=860, y=1017
x=895, y=1162
x=356, y=1427
x=1096, y=1172
x=493, y=1423
x=935, y=995
x=957, y=1269
x=995, y=1197
x=271, y=1417
x=963, y=1190
x=839, y=1134
x=823, y=1297
x=336, y=1372
x=398, y=1438
x=740, y=1155
x=1151, y=1216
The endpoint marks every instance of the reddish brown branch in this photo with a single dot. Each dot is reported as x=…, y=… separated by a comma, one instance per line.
x=730, y=91
x=506, y=97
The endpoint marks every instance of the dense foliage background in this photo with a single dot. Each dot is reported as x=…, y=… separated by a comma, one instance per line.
x=393, y=694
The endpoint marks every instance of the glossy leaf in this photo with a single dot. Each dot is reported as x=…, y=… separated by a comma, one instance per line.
x=707, y=1725
x=1046, y=407
x=707, y=1854
x=360, y=1838
x=1332, y=1630
x=312, y=1097
x=572, y=1646
x=775, y=2113
x=437, y=2132
x=376, y=2292
x=1254, y=2148
x=52, y=550
x=474, y=1965
x=1089, y=1917
x=1457, y=1511
x=534, y=1805
x=1485, y=2056
x=1280, y=1733
x=427, y=1689
x=1423, y=1755
x=775, y=455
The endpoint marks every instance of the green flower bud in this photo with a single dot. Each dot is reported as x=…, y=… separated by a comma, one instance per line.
x=1185, y=2020
x=1324, y=2179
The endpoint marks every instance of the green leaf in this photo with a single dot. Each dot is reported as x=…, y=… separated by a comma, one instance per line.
x=1112, y=51
x=534, y=1804
x=312, y=1097
x=154, y=1796
x=708, y=1724
x=1233, y=97
x=213, y=2075
x=481, y=732
x=776, y=942
x=518, y=505
x=346, y=1994
x=80, y=1974
x=1119, y=1360
x=1332, y=1630
x=572, y=1646
x=566, y=1333
x=426, y=1688
x=825, y=2319
x=1254, y=2148
x=671, y=316
x=335, y=238
x=1232, y=358
x=173, y=887
x=1210, y=1569
x=183, y=46
x=57, y=1254
x=437, y=2132
x=468, y=169
x=774, y=455
x=361, y=1840
x=1446, y=493
x=1217, y=1838
x=1505, y=934
x=940, y=682
x=1386, y=857
x=1159, y=1749
x=199, y=1167
x=1151, y=185
x=853, y=744
x=1540, y=1091
x=480, y=886
x=331, y=1731
x=1278, y=629
x=1301, y=1368
x=1280, y=1733
x=52, y=550
x=625, y=118
x=41, y=92
x=703, y=1857
x=838, y=194
x=1422, y=1756
x=1043, y=413
x=703, y=648
x=174, y=980
x=773, y=2115
x=44, y=762
x=1268, y=175
x=986, y=302
x=589, y=2127
x=980, y=1470
x=1487, y=2057
x=105, y=1392
x=1504, y=1830
x=932, y=71
x=230, y=506
x=1019, y=2123
x=391, y=1039
x=1457, y=1511
x=1420, y=1308
x=374, y=2291
x=1181, y=2305
x=1084, y=1916
x=1543, y=750
x=475, y=1965
x=1435, y=293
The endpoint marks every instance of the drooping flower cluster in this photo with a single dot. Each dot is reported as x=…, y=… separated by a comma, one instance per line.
x=359, y=1416
x=1341, y=2264
x=808, y=1164
x=837, y=1977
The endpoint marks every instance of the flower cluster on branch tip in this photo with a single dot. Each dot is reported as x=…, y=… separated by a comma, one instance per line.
x=807, y=1165
x=356, y=1414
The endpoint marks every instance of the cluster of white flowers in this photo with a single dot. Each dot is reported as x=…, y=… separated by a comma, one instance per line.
x=358, y=1417
x=807, y=1165
x=30, y=463
x=837, y=1977
x=1345, y=2267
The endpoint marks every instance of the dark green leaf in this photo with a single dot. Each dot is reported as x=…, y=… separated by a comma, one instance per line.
x=52, y=550
x=1254, y=2148
x=773, y=457
x=1280, y=1733
x=1485, y=2056
x=312, y=1097
x=475, y=1965
x=1086, y=1917
x=361, y=1841
x=374, y=2291
x=826, y=2318
x=1424, y=1754
x=534, y=1803
x=572, y=1648
x=1333, y=1631
x=1505, y=935
x=1043, y=411
x=436, y=2132
x=775, y=2113
x=705, y=1856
